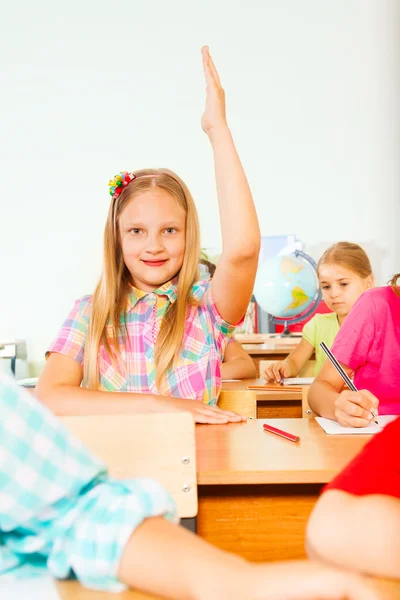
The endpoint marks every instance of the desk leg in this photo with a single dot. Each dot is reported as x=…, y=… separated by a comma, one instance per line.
x=259, y=522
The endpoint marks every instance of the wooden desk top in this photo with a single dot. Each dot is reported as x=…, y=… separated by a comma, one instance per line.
x=243, y=453
x=261, y=338
x=270, y=347
x=270, y=344
x=242, y=385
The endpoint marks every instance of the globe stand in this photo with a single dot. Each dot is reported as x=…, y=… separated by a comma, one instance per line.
x=286, y=333
x=286, y=330
x=306, y=314
x=286, y=322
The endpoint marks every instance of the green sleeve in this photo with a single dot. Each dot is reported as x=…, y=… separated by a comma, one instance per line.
x=309, y=332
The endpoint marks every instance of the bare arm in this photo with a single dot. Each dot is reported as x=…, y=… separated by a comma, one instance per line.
x=292, y=364
x=59, y=388
x=326, y=389
x=237, y=363
x=326, y=398
x=207, y=573
x=357, y=532
x=236, y=270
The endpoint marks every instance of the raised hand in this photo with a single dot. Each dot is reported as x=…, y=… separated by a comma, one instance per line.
x=214, y=116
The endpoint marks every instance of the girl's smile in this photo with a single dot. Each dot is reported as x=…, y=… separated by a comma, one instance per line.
x=152, y=227
x=155, y=263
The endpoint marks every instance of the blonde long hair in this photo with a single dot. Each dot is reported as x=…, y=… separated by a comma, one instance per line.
x=348, y=255
x=109, y=300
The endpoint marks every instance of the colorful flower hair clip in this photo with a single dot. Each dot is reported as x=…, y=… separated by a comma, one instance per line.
x=119, y=182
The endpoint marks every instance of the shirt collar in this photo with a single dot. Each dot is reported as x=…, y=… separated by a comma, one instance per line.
x=167, y=289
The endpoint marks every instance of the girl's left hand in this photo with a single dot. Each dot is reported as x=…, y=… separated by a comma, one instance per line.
x=214, y=116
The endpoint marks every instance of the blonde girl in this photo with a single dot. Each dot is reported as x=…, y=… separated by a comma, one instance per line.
x=153, y=330
x=344, y=273
x=368, y=349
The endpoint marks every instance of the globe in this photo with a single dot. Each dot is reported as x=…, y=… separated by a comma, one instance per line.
x=287, y=287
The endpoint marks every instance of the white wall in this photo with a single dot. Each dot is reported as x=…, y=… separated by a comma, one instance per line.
x=90, y=88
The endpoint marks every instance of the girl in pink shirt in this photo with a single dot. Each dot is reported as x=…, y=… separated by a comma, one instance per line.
x=155, y=330
x=368, y=348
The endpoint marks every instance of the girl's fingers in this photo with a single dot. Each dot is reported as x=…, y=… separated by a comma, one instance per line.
x=348, y=421
x=365, y=401
x=211, y=74
x=200, y=418
x=354, y=410
x=221, y=416
x=229, y=413
x=349, y=401
x=216, y=418
x=214, y=70
x=277, y=371
x=373, y=399
x=268, y=374
x=208, y=410
x=351, y=414
x=232, y=417
x=206, y=67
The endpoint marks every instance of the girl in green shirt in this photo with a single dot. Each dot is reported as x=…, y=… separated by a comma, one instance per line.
x=344, y=273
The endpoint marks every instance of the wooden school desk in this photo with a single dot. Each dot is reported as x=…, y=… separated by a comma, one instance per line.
x=256, y=490
x=271, y=349
x=270, y=404
x=71, y=590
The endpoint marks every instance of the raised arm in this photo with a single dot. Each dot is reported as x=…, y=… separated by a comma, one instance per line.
x=234, y=277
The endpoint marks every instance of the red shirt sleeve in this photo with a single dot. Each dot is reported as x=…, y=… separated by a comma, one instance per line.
x=376, y=469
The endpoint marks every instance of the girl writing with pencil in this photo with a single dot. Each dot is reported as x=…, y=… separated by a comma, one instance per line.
x=344, y=273
x=154, y=331
x=368, y=349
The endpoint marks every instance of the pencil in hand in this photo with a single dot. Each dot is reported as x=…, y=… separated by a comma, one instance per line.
x=344, y=375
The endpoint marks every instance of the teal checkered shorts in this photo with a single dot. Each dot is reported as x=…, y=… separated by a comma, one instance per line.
x=58, y=508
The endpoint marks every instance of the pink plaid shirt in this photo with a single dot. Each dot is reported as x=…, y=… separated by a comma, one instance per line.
x=197, y=374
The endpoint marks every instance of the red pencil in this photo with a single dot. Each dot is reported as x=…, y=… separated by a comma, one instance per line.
x=284, y=434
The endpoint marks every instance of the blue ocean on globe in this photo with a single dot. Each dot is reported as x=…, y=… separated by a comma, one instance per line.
x=286, y=286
